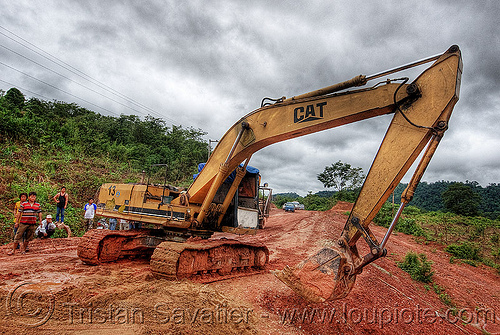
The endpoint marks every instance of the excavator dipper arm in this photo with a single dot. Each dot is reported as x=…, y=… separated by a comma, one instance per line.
x=421, y=113
x=417, y=125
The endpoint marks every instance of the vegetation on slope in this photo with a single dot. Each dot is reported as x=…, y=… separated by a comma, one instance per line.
x=470, y=239
x=45, y=145
x=460, y=223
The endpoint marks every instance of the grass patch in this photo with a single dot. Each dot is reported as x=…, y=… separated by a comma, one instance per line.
x=419, y=269
x=410, y=227
x=473, y=240
x=444, y=297
x=466, y=251
x=417, y=266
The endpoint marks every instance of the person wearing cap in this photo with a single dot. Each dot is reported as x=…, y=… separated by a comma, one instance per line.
x=47, y=228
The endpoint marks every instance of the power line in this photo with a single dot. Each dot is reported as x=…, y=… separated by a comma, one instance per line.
x=54, y=87
x=96, y=82
x=59, y=74
x=81, y=74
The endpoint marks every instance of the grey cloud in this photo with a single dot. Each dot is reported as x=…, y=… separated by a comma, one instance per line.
x=208, y=64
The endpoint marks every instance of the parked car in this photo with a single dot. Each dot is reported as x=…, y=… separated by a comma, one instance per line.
x=298, y=205
x=289, y=207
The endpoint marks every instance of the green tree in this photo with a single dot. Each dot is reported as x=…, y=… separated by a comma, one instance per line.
x=341, y=176
x=461, y=199
x=62, y=128
x=14, y=98
x=313, y=202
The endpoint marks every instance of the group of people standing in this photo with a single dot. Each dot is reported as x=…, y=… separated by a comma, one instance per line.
x=26, y=213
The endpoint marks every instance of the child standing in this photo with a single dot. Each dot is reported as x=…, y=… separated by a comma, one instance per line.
x=22, y=198
x=90, y=209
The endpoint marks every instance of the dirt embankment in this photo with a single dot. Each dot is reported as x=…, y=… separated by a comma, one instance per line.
x=50, y=291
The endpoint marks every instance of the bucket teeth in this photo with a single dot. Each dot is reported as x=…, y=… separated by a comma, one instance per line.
x=321, y=277
x=291, y=280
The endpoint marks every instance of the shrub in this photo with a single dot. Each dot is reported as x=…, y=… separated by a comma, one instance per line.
x=464, y=251
x=444, y=297
x=347, y=195
x=417, y=266
x=314, y=202
x=412, y=210
x=384, y=216
x=410, y=227
x=496, y=253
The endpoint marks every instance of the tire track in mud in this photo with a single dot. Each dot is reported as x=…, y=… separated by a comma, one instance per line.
x=290, y=237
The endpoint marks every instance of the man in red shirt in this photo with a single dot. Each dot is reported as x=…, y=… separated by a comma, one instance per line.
x=26, y=218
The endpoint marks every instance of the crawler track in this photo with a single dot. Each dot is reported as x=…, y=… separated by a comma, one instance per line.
x=209, y=260
x=200, y=260
x=101, y=246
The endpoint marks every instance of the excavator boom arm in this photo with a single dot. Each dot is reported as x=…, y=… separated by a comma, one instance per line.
x=285, y=121
x=430, y=101
x=415, y=126
x=421, y=110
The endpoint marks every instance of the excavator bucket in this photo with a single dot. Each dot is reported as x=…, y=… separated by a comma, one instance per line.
x=327, y=275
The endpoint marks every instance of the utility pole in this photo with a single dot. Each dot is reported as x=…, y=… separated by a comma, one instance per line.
x=210, y=147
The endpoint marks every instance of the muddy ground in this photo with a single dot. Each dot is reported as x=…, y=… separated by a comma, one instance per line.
x=50, y=291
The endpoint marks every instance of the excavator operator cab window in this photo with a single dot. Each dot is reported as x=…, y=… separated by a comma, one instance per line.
x=247, y=187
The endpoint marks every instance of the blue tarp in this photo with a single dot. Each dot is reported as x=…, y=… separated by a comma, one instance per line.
x=250, y=169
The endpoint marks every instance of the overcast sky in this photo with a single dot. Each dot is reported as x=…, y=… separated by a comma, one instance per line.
x=206, y=64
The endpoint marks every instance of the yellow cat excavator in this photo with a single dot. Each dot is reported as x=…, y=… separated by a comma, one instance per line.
x=225, y=194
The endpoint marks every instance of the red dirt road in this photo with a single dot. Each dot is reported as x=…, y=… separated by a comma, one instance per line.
x=50, y=291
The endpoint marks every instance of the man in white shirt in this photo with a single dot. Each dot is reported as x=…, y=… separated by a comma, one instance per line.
x=90, y=209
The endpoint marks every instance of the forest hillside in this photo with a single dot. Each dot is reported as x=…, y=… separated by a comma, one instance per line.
x=45, y=145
